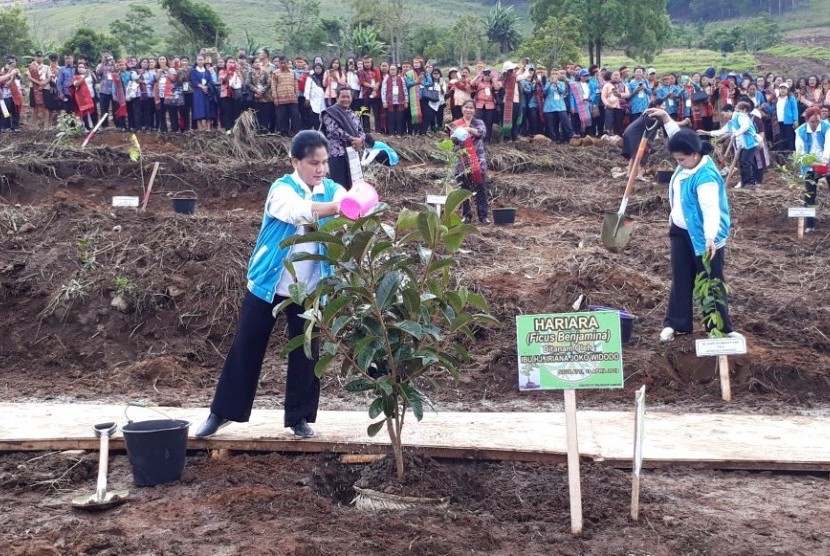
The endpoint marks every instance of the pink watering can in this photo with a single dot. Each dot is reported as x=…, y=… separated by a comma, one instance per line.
x=359, y=200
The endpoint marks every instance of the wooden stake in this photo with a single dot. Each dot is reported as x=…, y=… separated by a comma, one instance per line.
x=349, y=459
x=92, y=133
x=150, y=186
x=574, y=486
x=800, y=228
x=636, y=467
x=723, y=368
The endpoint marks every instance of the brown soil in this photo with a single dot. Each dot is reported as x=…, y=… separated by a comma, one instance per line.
x=67, y=254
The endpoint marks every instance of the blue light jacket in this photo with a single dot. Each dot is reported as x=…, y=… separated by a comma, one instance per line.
x=555, y=96
x=639, y=102
x=266, y=265
x=706, y=173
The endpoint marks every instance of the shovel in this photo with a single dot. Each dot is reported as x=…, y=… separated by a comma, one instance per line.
x=102, y=499
x=617, y=227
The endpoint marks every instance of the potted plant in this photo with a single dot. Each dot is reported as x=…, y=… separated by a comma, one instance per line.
x=391, y=313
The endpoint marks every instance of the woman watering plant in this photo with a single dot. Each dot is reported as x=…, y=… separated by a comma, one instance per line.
x=699, y=226
x=295, y=202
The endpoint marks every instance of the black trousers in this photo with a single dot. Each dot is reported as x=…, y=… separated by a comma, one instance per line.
x=487, y=116
x=558, y=125
x=238, y=383
x=13, y=121
x=614, y=119
x=786, y=141
x=339, y=171
x=288, y=118
x=480, y=196
x=811, y=188
x=395, y=116
x=186, y=112
x=104, y=104
x=265, y=117
x=747, y=163
x=685, y=266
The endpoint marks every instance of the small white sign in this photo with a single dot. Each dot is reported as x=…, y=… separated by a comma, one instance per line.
x=436, y=199
x=131, y=202
x=720, y=346
x=801, y=212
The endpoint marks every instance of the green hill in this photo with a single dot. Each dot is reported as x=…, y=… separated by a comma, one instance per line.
x=52, y=22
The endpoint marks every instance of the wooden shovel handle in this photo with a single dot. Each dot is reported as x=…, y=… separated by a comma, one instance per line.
x=641, y=151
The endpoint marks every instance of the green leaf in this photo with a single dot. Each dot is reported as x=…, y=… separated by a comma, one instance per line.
x=410, y=327
x=415, y=400
x=330, y=348
x=411, y=300
x=376, y=408
x=365, y=357
x=454, y=199
x=335, y=224
x=478, y=302
x=379, y=248
x=322, y=364
x=339, y=323
x=374, y=428
x=356, y=249
x=385, y=384
x=388, y=288
x=318, y=237
x=281, y=307
x=333, y=307
x=407, y=219
x=292, y=344
x=428, y=226
x=297, y=291
x=359, y=385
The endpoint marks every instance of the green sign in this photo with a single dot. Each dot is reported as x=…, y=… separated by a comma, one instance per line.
x=569, y=350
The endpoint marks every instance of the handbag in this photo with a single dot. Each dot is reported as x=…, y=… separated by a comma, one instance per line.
x=431, y=95
x=133, y=91
x=594, y=111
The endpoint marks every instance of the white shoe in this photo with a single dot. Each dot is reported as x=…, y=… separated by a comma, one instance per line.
x=667, y=334
x=738, y=185
x=809, y=230
x=734, y=334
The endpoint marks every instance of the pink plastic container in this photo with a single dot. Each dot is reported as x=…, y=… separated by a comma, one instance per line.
x=359, y=200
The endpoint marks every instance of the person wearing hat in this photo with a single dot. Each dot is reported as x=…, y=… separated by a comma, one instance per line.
x=813, y=137
x=581, y=95
x=786, y=110
x=39, y=80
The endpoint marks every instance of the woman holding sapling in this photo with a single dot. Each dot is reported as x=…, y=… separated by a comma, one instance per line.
x=699, y=226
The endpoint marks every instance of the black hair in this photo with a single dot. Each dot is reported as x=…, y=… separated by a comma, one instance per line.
x=687, y=142
x=306, y=142
x=53, y=57
x=656, y=103
x=727, y=108
x=369, y=141
x=341, y=88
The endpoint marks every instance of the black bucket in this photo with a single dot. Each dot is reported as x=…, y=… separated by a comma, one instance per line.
x=184, y=202
x=626, y=321
x=157, y=450
x=503, y=216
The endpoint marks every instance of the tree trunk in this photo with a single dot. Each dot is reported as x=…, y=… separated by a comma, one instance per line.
x=599, y=52
x=591, y=52
x=397, y=448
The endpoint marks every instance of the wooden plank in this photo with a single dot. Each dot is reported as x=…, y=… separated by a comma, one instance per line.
x=725, y=441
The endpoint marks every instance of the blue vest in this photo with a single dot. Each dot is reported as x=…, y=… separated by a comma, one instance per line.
x=266, y=265
x=393, y=156
x=692, y=213
x=807, y=138
x=751, y=134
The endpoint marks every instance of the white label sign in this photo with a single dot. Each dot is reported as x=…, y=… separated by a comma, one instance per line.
x=436, y=199
x=131, y=202
x=720, y=346
x=801, y=212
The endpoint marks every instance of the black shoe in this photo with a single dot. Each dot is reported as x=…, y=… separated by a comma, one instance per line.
x=302, y=430
x=211, y=425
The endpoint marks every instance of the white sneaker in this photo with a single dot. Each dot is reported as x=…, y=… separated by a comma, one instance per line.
x=809, y=230
x=738, y=185
x=667, y=334
x=734, y=334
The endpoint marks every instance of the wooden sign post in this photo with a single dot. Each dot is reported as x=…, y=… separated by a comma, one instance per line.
x=722, y=347
x=801, y=213
x=637, y=467
x=438, y=201
x=570, y=351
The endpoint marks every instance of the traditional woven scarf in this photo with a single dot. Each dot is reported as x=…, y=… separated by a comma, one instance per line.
x=695, y=114
x=83, y=100
x=344, y=119
x=390, y=85
x=414, y=104
x=120, y=96
x=509, y=90
x=37, y=90
x=468, y=157
x=17, y=94
x=540, y=101
x=582, y=109
x=168, y=88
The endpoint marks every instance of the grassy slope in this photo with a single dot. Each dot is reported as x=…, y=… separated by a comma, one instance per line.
x=55, y=23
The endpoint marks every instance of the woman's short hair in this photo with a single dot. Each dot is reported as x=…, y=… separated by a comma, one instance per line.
x=306, y=142
x=468, y=101
x=341, y=88
x=688, y=142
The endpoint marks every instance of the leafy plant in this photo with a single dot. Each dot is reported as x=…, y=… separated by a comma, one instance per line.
x=710, y=293
x=391, y=311
x=448, y=155
x=124, y=286
x=68, y=127
x=136, y=156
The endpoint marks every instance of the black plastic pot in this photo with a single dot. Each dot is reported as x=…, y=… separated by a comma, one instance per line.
x=504, y=216
x=184, y=202
x=157, y=450
x=626, y=321
x=664, y=176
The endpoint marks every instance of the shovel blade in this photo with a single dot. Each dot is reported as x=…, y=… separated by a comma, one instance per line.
x=92, y=502
x=616, y=231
